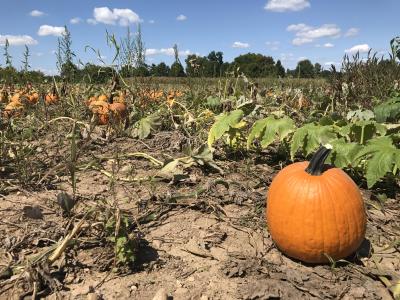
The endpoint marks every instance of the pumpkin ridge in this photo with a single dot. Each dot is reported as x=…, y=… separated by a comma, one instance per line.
x=350, y=231
x=301, y=187
x=322, y=225
x=332, y=203
x=354, y=207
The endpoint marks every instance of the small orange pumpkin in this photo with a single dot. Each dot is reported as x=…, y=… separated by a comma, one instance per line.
x=16, y=97
x=32, y=98
x=103, y=98
x=100, y=109
x=90, y=100
x=13, y=109
x=315, y=211
x=118, y=110
x=51, y=98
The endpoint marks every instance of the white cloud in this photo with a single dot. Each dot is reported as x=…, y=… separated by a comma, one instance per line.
x=186, y=53
x=287, y=56
x=91, y=21
x=151, y=21
x=39, y=54
x=36, y=13
x=352, y=32
x=240, y=45
x=307, y=34
x=302, y=58
x=50, y=30
x=166, y=51
x=152, y=51
x=181, y=18
x=358, y=48
x=273, y=45
x=122, y=16
x=298, y=27
x=301, y=41
x=286, y=5
x=17, y=40
x=75, y=20
x=326, y=45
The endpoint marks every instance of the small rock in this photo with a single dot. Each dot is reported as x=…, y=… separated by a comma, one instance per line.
x=181, y=291
x=204, y=297
x=191, y=279
x=161, y=295
x=134, y=288
x=65, y=201
x=157, y=244
x=274, y=257
x=358, y=292
x=33, y=212
x=92, y=296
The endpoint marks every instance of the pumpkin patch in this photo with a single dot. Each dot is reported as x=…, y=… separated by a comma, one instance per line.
x=210, y=177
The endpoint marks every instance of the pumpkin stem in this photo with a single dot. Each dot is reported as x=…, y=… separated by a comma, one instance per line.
x=316, y=165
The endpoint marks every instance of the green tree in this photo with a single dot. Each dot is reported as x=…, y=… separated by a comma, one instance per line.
x=317, y=69
x=196, y=65
x=255, y=65
x=141, y=71
x=226, y=67
x=215, y=61
x=305, y=69
x=97, y=74
x=280, y=70
x=160, y=70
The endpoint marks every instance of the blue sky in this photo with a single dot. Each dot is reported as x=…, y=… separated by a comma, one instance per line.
x=289, y=30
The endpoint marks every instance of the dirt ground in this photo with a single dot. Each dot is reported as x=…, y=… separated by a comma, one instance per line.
x=210, y=245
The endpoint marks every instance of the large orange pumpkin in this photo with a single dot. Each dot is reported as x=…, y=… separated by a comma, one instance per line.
x=315, y=211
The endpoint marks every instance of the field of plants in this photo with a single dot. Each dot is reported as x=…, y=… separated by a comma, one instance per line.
x=146, y=186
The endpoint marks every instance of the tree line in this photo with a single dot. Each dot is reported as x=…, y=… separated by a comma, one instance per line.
x=131, y=62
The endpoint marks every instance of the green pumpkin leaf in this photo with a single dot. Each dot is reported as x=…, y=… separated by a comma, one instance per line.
x=343, y=153
x=145, y=126
x=363, y=131
x=270, y=129
x=222, y=124
x=362, y=115
x=309, y=137
x=381, y=155
x=388, y=110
